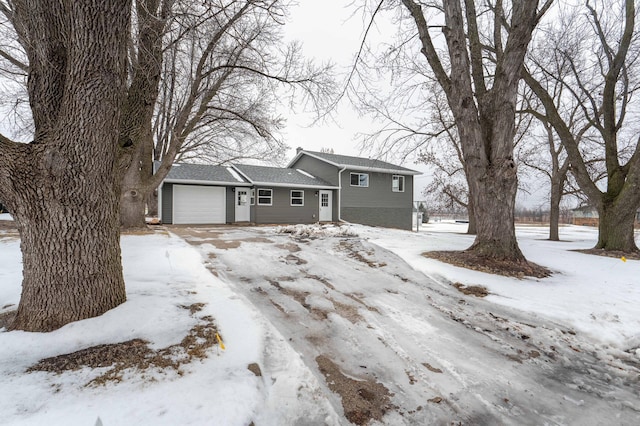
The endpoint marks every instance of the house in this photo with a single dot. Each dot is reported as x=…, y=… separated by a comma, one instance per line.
x=314, y=187
x=203, y=194
x=371, y=192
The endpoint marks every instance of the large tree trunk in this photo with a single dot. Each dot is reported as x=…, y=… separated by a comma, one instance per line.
x=70, y=252
x=133, y=200
x=136, y=128
x=494, y=201
x=615, y=229
x=484, y=117
x=63, y=188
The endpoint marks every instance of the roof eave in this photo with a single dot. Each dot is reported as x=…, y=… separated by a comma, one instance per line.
x=206, y=182
x=293, y=185
x=381, y=170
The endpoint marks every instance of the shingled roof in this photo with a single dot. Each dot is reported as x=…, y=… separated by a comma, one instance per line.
x=276, y=176
x=355, y=163
x=204, y=173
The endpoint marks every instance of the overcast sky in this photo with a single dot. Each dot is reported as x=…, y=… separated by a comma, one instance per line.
x=330, y=31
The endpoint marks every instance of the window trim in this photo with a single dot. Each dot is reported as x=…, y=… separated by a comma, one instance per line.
x=270, y=196
x=252, y=197
x=359, y=174
x=398, y=178
x=291, y=198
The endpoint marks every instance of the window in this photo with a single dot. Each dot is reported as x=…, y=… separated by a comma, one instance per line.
x=360, y=179
x=324, y=199
x=397, y=183
x=253, y=197
x=297, y=198
x=265, y=197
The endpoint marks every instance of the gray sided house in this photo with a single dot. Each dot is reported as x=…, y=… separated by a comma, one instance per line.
x=202, y=194
x=315, y=187
x=372, y=192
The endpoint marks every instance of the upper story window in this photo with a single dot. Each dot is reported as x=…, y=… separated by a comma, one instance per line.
x=397, y=183
x=297, y=198
x=360, y=179
x=265, y=197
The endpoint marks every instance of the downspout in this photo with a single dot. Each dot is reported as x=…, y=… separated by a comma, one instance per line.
x=160, y=201
x=340, y=193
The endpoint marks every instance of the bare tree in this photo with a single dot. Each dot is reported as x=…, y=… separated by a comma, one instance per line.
x=221, y=74
x=60, y=188
x=602, y=54
x=479, y=73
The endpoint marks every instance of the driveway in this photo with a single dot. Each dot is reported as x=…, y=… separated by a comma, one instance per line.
x=391, y=344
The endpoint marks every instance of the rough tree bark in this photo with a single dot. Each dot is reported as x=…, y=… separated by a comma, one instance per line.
x=62, y=188
x=485, y=117
x=136, y=128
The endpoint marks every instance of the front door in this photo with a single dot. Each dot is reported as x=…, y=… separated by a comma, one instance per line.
x=242, y=205
x=325, y=214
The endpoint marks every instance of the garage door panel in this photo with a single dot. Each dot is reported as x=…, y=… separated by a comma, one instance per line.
x=199, y=204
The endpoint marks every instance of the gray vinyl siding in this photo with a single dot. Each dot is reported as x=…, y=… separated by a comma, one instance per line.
x=318, y=169
x=377, y=204
x=231, y=205
x=167, y=203
x=281, y=211
x=388, y=217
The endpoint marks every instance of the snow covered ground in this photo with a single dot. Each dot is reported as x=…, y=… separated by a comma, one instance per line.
x=559, y=350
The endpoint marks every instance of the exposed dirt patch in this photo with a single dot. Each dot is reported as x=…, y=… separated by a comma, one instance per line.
x=136, y=355
x=295, y=260
x=321, y=279
x=472, y=290
x=346, y=311
x=507, y=268
x=291, y=247
x=431, y=368
x=357, y=298
x=362, y=400
x=354, y=253
x=255, y=369
x=612, y=253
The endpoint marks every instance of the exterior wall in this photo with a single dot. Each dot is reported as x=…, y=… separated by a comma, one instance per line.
x=167, y=203
x=281, y=210
x=231, y=205
x=318, y=169
x=377, y=204
x=387, y=217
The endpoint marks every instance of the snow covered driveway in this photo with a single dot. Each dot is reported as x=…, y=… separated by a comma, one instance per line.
x=384, y=339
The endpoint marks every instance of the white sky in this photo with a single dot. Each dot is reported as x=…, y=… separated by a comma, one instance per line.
x=332, y=30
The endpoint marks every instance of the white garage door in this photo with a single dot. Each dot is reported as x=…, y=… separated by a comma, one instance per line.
x=198, y=204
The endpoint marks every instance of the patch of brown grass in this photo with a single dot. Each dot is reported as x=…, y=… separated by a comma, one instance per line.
x=136, y=355
x=472, y=290
x=470, y=260
x=362, y=400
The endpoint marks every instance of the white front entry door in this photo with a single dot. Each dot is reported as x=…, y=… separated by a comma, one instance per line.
x=325, y=214
x=242, y=205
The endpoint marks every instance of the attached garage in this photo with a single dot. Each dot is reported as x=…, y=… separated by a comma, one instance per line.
x=193, y=204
